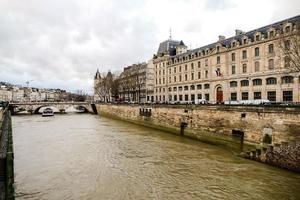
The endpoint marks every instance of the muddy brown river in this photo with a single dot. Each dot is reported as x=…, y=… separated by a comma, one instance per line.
x=82, y=156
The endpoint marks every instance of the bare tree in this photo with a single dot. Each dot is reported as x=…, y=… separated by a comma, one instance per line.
x=289, y=44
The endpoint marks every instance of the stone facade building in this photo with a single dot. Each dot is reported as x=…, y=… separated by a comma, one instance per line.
x=247, y=66
x=132, y=83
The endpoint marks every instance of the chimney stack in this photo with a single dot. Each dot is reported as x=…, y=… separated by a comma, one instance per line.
x=238, y=32
x=221, y=37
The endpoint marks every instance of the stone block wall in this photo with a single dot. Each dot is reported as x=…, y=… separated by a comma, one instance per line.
x=282, y=124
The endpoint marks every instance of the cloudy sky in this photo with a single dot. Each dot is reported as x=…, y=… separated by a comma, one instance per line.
x=61, y=43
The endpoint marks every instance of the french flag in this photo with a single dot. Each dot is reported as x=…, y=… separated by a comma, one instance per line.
x=218, y=72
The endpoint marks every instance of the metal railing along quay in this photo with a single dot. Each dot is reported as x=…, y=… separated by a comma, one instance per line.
x=6, y=154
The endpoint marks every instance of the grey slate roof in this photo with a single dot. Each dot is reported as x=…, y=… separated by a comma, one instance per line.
x=168, y=47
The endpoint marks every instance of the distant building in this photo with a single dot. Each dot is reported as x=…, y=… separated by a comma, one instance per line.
x=132, y=83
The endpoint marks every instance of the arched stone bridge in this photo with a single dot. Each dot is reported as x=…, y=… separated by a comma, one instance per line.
x=34, y=107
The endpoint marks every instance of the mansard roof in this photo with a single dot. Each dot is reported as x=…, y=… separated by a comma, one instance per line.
x=250, y=34
x=168, y=47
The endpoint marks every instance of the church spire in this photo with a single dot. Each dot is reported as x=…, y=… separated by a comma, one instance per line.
x=170, y=36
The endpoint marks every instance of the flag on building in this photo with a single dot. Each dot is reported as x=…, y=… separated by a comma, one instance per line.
x=218, y=72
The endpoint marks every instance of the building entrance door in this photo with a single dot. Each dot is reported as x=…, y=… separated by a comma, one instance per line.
x=219, y=95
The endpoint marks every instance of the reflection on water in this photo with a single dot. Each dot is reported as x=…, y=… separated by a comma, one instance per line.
x=89, y=157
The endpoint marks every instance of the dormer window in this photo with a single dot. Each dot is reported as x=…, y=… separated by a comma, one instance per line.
x=287, y=29
x=257, y=37
x=245, y=41
x=233, y=44
x=271, y=34
x=218, y=49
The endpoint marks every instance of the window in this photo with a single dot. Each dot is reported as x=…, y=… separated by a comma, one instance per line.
x=179, y=68
x=233, y=84
x=180, y=88
x=287, y=95
x=271, y=64
x=271, y=95
x=192, y=97
x=186, y=97
x=170, y=71
x=174, y=79
x=206, y=73
x=287, y=62
x=199, y=64
x=185, y=67
x=174, y=89
x=233, y=69
x=245, y=96
x=256, y=66
x=218, y=49
x=287, y=29
x=287, y=45
x=245, y=41
x=257, y=38
x=206, y=62
x=206, y=86
x=244, y=83
x=218, y=60
x=271, y=48
x=287, y=79
x=271, y=34
x=163, y=72
x=199, y=75
x=199, y=96
x=199, y=87
x=271, y=81
x=180, y=78
x=192, y=76
x=192, y=66
x=170, y=89
x=233, y=57
x=244, y=54
x=233, y=96
x=244, y=68
x=233, y=44
x=185, y=77
x=207, y=97
x=169, y=79
x=174, y=69
x=186, y=87
x=192, y=87
x=256, y=51
x=180, y=97
x=257, y=95
x=257, y=82
x=175, y=97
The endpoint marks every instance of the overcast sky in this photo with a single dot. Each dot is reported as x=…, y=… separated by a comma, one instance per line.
x=61, y=43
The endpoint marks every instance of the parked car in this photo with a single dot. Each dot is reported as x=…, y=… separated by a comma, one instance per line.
x=231, y=103
x=201, y=101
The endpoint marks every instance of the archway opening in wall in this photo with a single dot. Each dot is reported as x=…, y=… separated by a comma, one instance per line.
x=219, y=94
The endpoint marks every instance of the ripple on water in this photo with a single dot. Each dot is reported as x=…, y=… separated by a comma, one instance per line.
x=87, y=157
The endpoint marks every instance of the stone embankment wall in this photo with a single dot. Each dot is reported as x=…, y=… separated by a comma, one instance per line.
x=284, y=155
x=225, y=125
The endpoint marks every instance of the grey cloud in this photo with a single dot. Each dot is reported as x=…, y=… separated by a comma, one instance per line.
x=219, y=4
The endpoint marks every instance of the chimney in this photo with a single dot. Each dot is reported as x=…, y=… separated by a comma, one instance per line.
x=221, y=37
x=238, y=32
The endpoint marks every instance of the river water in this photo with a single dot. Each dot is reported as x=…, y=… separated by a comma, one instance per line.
x=82, y=156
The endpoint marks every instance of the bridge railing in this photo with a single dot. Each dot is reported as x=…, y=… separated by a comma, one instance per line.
x=6, y=154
